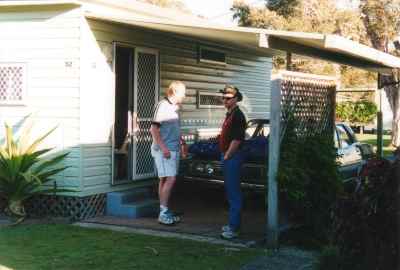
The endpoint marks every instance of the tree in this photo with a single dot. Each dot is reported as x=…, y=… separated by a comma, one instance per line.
x=382, y=22
x=292, y=15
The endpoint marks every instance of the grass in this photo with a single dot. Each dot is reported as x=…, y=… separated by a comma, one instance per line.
x=68, y=247
x=371, y=139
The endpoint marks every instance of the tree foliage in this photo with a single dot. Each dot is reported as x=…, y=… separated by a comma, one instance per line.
x=309, y=16
x=359, y=112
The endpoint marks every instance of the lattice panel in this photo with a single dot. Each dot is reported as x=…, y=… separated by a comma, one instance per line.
x=146, y=84
x=144, y=163
x=12, y=82
x=311, y=102
x=74, y=208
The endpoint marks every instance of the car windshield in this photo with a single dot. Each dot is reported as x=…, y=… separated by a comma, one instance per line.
x=255, y=129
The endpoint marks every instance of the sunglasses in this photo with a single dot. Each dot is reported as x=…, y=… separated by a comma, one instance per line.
x=227, y=98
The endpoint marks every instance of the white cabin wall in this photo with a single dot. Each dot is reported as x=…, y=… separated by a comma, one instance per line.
x=47, y=40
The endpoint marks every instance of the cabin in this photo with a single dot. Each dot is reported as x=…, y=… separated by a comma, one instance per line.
x=97, y=68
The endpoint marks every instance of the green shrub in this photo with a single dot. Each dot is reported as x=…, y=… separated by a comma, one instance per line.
x=308, y=177
x=359, y=112
x=329, y=259
x=23, y=171
x=366, y=222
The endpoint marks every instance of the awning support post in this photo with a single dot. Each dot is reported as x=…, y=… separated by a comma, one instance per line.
x=272, y=229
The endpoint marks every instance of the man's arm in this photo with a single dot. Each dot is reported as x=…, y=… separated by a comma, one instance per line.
x=156, y=135
x=233, y=147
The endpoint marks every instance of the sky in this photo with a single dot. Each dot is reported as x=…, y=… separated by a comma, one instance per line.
x=216, y=10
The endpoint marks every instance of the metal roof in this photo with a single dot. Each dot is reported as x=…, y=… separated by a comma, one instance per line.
x=267, y=42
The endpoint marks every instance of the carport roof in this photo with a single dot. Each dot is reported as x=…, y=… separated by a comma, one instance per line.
x=267, y=42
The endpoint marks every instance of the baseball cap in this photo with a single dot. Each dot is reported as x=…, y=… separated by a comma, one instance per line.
x=231, y=91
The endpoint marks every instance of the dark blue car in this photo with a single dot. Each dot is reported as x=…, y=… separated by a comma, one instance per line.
x=204, y=163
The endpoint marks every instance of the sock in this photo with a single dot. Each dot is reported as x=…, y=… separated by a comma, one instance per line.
x=163, y=209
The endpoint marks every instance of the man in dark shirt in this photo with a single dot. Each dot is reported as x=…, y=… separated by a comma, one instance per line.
x=230, y=140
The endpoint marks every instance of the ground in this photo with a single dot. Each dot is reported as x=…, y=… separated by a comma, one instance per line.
x=63, y=246
x=204, y=211
x=372, y=139
x=38, y=244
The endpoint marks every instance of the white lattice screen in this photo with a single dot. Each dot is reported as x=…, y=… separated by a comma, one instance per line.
x=12, y=82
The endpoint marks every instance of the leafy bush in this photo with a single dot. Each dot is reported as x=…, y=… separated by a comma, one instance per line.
x=308, y=176
x=359, y=112
x=366, y=222
x=329, y=259
x=23, y=172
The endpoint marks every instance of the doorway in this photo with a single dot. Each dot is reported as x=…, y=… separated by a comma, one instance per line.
x=136, y=95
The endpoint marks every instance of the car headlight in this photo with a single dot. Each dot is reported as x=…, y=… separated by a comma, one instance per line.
x=209, y=169
x=199, y=167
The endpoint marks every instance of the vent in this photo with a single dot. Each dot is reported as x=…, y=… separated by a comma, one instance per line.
x=12, y=83
x=212, y=55
x=207, y=100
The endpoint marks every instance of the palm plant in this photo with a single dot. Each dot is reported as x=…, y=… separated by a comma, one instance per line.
x=23, y=170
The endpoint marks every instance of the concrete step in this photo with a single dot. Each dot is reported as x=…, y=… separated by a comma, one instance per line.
x=133, y=203
x=131, y=195
x=145, y=208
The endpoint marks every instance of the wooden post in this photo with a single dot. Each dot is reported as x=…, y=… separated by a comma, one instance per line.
x=273, y=164
x=288, y=61
x=379, y=142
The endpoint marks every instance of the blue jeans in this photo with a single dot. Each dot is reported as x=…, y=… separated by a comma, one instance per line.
x=231, y=168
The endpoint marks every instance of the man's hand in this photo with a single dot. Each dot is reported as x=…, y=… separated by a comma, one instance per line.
x=166, y=153
x=233, y=147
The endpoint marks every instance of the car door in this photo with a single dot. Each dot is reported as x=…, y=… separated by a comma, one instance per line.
x=350, y=157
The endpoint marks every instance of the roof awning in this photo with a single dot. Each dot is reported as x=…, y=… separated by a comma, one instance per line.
x=331, y=48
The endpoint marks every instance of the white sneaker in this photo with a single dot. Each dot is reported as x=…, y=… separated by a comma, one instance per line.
x=166, y=219
x=225, y=228
x=229, y=233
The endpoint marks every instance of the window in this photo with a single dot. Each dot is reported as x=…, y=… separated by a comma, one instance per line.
x=212, y=55
x=344, y=138
x=209, y=100
x=12, y=83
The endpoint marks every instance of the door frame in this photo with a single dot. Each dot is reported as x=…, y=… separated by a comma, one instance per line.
x=133, y=91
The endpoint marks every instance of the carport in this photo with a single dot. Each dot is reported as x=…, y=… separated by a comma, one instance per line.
x=268, y=42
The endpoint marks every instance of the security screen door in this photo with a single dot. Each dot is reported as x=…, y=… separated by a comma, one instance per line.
x=145, y=97
x=136, y=94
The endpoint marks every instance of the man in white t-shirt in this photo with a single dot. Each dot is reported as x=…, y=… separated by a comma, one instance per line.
x=165, y=131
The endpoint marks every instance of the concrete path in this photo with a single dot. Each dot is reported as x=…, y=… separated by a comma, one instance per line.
x=193, y=237
x=4, y=221
x=284, y=259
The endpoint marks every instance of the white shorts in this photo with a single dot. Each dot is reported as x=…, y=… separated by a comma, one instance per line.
x=166, y=167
